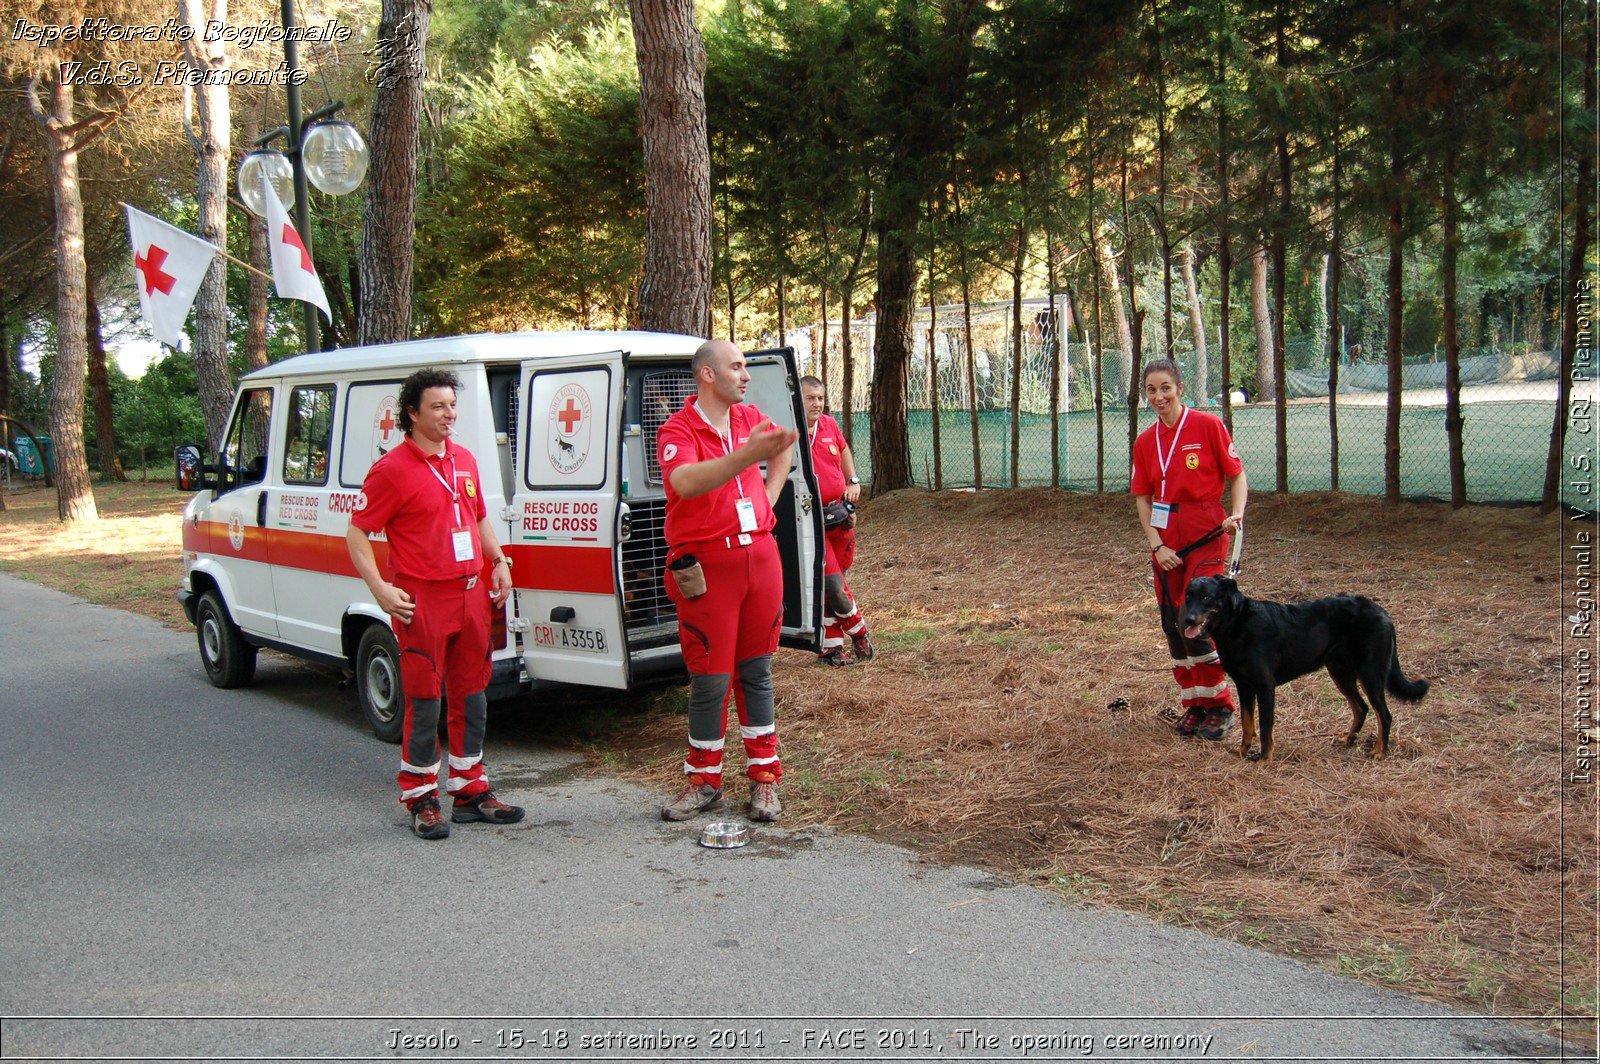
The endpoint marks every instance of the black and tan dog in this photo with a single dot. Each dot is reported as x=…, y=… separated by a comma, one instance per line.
x=1263, y=644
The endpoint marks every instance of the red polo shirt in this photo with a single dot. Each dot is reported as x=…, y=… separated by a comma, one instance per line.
x=1200, y=456
x=405, y=495
x=686, y=438
x=827, y=458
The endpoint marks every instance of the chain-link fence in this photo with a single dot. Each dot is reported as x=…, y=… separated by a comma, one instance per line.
x=1508, y=402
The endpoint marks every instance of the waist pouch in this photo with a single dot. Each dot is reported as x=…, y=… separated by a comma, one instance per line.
x=838, y=514
x=689, y=576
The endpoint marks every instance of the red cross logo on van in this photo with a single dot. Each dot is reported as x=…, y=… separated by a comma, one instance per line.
x=570, y=417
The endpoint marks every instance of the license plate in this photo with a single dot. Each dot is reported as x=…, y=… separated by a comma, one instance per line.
x=589, y=640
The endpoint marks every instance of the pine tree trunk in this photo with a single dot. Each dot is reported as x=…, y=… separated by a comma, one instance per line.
x=1197, y=327
x=1335, y=348
x=388, y=225
x=1578, y=279
x=255, y=305
x=210, y=138
x=1280, y=271
x=847, y=361
x=1119, y=310
x=1395, y=285
x=1053, y=347
x=1449, y=256
x=1224, y=267
x=1021, y=237
x=1161, y=180
x=972, y=357
x=675, y=291
x=891, y=364
x=105, y=427
x=933, y=353
x=1262, y=316
x=74, y=493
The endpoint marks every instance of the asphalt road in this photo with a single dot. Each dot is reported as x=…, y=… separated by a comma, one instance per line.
x=194, y=873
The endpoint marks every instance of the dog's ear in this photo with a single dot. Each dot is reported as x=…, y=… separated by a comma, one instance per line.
x=1230, y=590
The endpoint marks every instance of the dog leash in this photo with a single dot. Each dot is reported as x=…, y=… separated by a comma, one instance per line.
x=1233, y=555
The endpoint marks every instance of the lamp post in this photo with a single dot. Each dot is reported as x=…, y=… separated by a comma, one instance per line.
x=329, y=154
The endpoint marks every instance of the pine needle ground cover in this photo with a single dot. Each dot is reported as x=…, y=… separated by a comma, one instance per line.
x=1017, y=717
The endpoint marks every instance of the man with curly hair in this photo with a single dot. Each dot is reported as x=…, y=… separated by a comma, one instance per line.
x=427, y=496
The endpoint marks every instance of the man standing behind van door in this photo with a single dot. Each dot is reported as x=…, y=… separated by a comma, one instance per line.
x=426, y=494
x=837, y=482
x=724, y=574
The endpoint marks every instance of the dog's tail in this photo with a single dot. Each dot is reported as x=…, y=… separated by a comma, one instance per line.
x=1398, y=685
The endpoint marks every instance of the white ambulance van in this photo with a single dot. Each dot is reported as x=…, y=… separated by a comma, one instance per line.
x=564, y=429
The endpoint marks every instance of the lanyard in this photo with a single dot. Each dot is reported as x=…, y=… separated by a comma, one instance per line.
x=1164, y=462
x=727, y=443
x=449, y=485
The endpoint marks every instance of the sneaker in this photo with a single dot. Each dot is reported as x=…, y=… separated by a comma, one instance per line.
x=696, y=798
x=485, y=807
x=1190, y=720
x=863, y=647
x=1218, y=723
x=426, y=819
x=764, y=805
x=834, y=656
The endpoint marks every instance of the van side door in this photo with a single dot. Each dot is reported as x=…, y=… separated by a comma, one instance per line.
x=239, y=534
x=564, y=512
x=303, y=551
x=775, y=389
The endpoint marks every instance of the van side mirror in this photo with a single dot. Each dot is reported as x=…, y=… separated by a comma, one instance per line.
x=190, y=468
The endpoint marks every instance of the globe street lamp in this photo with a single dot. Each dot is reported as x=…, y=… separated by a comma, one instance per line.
x=329, y=153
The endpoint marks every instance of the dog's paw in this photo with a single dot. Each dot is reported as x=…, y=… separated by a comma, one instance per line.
x=1254, y=755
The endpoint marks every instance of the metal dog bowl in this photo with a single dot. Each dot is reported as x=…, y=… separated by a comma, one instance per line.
x=725, y=835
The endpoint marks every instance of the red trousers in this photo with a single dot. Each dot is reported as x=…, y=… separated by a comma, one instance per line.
x=841, y=616
x=1195, y=667
x=728, y=636
x=446, y=646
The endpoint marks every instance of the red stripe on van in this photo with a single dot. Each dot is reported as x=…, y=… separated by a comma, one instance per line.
x=582, y=570
x=316, y=552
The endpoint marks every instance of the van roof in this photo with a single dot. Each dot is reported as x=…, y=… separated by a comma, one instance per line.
x=494, y=347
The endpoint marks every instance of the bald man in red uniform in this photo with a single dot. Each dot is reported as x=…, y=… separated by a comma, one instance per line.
x=719, y=533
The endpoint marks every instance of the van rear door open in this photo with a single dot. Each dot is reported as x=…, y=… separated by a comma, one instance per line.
x=775, y=390
x=563, y=535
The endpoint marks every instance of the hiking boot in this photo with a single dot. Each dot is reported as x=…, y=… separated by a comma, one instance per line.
x=863, y=647
x=1218, y=723
x=485, y=807
x=1190, y=720
x=426, y=819
x=696, y=798
x=764, y=805
x=834, y=656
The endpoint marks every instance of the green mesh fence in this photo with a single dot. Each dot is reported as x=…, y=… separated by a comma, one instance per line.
x=1508, y=408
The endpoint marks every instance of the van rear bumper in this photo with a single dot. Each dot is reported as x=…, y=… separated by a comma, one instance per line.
x=187, y=600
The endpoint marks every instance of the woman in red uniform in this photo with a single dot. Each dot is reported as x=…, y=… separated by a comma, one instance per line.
x=1180, y=466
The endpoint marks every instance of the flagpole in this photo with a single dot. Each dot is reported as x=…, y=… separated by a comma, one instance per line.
x=219, y=251
x=302, y=191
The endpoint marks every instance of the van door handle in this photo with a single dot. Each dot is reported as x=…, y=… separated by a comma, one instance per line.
x=562, y=615
x=261, y=509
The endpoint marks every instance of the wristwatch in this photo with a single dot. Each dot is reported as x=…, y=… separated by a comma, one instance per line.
x=853, y=480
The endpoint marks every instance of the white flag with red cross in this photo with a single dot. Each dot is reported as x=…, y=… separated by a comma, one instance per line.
x=168, y=265
x=292, y=273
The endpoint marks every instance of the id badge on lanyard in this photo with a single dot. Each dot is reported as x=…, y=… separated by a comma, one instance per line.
x=460, y=532
x=1161, y=508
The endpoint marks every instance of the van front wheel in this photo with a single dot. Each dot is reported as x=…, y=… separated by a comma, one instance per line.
x=228, y=659
x=383, y=699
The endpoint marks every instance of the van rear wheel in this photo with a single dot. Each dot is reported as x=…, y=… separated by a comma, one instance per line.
x=383, y=699
x=229, y=661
